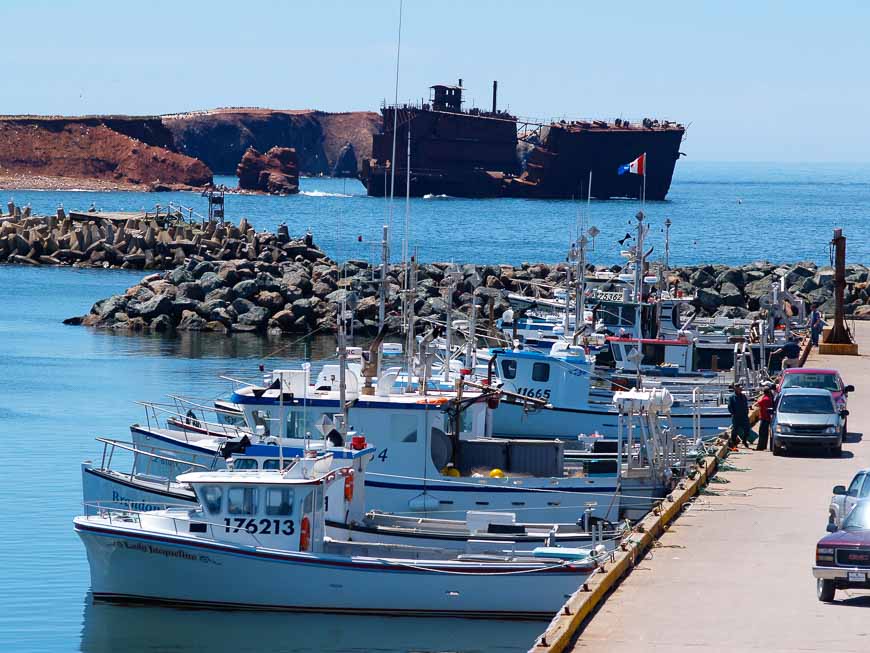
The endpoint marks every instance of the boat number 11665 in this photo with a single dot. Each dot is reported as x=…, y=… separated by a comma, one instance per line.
x=535, y=393
x=261, y=526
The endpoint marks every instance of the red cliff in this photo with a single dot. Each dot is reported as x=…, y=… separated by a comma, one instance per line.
x=122, y=151
x=220, y=137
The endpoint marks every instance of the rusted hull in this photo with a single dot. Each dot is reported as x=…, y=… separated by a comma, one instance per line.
x=463, y=155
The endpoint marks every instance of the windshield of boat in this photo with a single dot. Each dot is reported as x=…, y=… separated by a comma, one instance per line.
x=859, y=518
x=807, y=404
x=807, y=380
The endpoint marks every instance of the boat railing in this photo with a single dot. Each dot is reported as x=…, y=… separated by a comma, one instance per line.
x=264, y=379
x=181, y=402
x=186, y=422
x=109, y=446
x=125, y=516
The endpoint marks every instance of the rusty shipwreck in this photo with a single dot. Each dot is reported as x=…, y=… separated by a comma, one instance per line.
x=480, y=153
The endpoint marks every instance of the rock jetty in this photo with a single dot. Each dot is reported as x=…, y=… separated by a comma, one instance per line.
x=301, y=295
x=158, y=242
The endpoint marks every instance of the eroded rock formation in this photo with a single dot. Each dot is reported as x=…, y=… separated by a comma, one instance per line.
x=275, y=172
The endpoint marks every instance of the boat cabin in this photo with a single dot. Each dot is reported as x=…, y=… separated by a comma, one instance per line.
x=561, y=378
x=282, y=510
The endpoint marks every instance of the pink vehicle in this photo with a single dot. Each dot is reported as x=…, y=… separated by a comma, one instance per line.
x=809, y=377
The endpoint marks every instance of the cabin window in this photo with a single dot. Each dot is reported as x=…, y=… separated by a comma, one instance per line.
x=279, y=501
x=297, y=424
x=261, y=418
x=509, y=369
x=308, y=503
x=242, y=500
x=232, y=420
x=541, y=372
x=245, y=463
x=403, y=428
x=616, y=349
x=272, y=463
x=653, y=354
x=212, y=498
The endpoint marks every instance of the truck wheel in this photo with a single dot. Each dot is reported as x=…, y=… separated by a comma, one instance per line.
x=777, y=450
x=825, y=589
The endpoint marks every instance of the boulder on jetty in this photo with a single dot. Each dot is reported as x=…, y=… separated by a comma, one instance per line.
x=145, y=242
x=276, y=171
x=298, y=291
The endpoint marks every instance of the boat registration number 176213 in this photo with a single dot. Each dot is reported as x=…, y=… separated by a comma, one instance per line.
x=261, y=526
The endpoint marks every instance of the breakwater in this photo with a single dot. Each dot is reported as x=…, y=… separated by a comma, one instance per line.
x=302, y=295
x=138, y=241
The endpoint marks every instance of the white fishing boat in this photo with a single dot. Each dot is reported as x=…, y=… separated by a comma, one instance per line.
x=269, y=528
x=580, y=400
x=105, y=485
x=437, y=455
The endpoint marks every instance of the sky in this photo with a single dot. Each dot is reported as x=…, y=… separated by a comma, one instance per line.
x=754, y=81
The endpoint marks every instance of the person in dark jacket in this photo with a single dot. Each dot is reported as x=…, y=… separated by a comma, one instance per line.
x=738, y=406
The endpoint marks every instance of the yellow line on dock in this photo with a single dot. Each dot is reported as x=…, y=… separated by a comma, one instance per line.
x=573, y=614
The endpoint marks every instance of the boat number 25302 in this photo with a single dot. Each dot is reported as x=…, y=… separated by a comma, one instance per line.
x=261, y=526
x=534, y=393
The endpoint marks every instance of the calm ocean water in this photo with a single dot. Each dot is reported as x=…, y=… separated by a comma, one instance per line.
x=725, y=213
x=66, y=385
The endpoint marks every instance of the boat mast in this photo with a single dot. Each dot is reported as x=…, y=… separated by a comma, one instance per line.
x=472, y=332
x=385, y=247
x=411, y=293
x=448, y=338
x=342, y=365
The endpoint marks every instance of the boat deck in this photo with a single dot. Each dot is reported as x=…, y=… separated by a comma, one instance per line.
x=734, y=573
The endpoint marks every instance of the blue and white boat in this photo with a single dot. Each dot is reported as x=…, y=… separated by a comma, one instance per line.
x=269, y=528
x=436, y=452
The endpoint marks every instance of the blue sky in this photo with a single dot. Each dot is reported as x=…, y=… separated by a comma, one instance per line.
x=755, y=80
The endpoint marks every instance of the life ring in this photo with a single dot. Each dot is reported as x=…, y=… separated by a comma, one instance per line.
x=348, y=487
x=304, y=534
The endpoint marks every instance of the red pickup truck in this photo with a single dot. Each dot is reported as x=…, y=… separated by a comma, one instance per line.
x=843, y=556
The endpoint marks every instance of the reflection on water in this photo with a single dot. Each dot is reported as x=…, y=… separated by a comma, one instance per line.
x=193, y=344
x=109, y=628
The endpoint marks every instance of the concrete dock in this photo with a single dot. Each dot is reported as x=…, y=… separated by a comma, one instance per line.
x=734, y=572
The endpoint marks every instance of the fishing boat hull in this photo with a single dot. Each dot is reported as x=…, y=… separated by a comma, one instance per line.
x=533, y=499
x=103, y=488
x=131, y=566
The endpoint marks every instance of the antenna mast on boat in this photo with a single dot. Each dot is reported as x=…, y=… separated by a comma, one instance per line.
x=342, y=364
x=385, y=245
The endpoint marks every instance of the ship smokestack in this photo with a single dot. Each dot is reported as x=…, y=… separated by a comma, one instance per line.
x=494, y=94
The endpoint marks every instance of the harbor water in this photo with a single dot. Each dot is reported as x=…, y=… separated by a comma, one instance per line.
x=721, y=213
x=65, y=385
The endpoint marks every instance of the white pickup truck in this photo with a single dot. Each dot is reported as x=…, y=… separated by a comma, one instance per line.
x=844, y=499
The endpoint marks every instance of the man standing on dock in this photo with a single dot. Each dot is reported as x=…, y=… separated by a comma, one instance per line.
x=817, y=324
x=765, y=414
x=738, y=406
